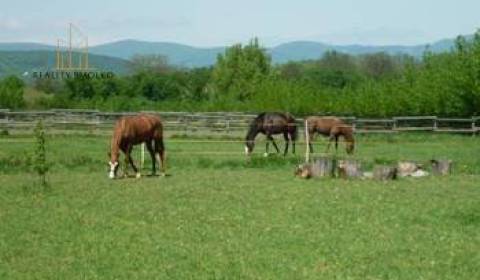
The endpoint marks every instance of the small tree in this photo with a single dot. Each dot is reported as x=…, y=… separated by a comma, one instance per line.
x=40, y=159
x=240, y=70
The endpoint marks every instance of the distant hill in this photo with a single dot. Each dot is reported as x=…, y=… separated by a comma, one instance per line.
x=178, y=54
x=187, y=56
x=25, y=47
x=20, y=57
x=19, y=62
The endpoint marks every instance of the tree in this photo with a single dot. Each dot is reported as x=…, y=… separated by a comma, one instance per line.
x=11, y=93
x=378, y=65
x=334, y=69
x=240, y=69
x=154, y=63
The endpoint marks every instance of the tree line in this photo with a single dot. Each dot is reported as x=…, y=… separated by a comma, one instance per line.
x=245, y=79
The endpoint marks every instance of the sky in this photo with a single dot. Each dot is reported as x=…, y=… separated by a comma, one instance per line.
x=211, y=23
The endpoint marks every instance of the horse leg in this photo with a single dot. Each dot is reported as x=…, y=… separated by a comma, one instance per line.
x=286, y=137
x=130, y=160
x=160, y=155
x=330, y=140
x=293, y=143
x=267, y=145
x=274, y=144
x=336, y=143
x=310, y=142
x=152, y=155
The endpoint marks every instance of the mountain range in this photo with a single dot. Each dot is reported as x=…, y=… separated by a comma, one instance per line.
x=23, y=57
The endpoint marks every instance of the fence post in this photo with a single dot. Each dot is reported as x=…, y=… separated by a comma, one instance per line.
x=227, y=123
x=474, y=130
x=142, y=155
x=435, y=124
x=307, y=143
x=185, y=123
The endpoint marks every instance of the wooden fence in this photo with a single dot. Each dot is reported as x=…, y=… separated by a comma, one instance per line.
x=92, y=121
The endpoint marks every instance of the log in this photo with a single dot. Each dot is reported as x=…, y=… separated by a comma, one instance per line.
x=441, y=167
x=304, y=171
x=320, y=167
x=323, y=167
x=407, y=168
x=384, y=172
x=349, y=169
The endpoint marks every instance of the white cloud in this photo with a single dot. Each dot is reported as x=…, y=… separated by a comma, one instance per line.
x=10, y=24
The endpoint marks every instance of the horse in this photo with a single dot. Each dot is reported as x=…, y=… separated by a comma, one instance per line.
x=272, y=124
x=134, y=130
x=333, y=128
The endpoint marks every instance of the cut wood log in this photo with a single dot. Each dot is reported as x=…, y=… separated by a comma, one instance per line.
x=323, y=167
x=320, y=167
x=349, y=169
x=441, y=167
x=384, y=172
x=407, y=168
x=304, y=171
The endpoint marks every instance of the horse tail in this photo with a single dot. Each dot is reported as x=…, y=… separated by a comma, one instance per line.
x=292, y=127
x=294, y=134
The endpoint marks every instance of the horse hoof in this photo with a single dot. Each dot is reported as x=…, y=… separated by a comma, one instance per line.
x=265, y=155
x=138, y=175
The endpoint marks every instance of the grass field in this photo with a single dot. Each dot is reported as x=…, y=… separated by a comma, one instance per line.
x=218, y=216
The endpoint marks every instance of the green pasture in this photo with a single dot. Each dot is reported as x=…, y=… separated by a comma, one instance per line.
x=220, y=216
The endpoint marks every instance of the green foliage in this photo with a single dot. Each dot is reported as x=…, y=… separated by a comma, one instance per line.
x=40, y=157
x=240, y=70
x=220, y=216
x=243, y=79
x=11, y=93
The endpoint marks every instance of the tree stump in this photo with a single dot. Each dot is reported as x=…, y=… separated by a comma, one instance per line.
x=304, y=171
x=321, y=167
x=441, y=167
x=349, y=169
x=407, y=168
x=384, y=173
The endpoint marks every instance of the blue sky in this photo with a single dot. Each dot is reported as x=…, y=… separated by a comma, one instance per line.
x=218, y=23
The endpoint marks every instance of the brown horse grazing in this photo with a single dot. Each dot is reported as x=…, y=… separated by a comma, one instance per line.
x=271, y=124
x=134, y=130
x=333, y=128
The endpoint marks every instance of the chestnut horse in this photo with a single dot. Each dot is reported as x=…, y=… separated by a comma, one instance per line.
x=333, y=128
x=134, y=130
x=271, y=124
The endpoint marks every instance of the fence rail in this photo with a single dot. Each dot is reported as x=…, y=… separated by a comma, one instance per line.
x=217, y=122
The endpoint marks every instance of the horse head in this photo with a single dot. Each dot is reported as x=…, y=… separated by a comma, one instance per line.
x=249, y=144
x=113, y=164
x=350, y=147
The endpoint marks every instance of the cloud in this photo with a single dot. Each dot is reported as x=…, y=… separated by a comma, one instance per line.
x=10, y=24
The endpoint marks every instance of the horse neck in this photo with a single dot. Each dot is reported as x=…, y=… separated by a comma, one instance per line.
x=252, y=133
x=115, y=147
x=348, y=134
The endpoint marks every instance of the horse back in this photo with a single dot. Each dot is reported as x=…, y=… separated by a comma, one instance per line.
x=277, y=123
x=325, y=125
x=138, y=129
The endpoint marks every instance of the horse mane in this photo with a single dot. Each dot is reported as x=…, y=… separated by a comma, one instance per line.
x=253, y=127
x=347, y=132
x=117, y=138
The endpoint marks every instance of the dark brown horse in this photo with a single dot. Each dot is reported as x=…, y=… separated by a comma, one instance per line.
x=333, y=128
x=134, y=130
x=271, y=124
